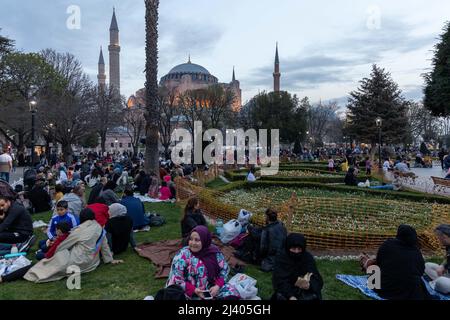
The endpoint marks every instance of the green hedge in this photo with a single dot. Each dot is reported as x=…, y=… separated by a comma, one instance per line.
x=406, y=195
x=239, y=175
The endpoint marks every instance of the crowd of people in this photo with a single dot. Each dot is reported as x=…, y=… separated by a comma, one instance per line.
x=85, y=233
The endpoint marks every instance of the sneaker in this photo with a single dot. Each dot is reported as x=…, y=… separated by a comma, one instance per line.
x=25, y=246
x=145, y=229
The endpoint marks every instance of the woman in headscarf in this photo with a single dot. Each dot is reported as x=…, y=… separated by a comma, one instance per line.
x=119, y=229
x=295, y=276
x=401, y=267
x=201, y=267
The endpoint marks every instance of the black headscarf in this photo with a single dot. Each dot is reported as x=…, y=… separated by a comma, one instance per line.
x=402, y=266
x=290, y=266
x=407, y=235
x=296, y=240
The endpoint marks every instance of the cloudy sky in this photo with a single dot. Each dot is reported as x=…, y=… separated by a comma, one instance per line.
x=325, y=46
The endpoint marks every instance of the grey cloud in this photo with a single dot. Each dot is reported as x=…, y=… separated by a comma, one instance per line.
x=336, y=59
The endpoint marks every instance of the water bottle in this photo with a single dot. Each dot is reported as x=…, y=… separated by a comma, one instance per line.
x=219, y=227
x=14, y=249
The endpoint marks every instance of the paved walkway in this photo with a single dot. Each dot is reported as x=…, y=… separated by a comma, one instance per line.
x=424, y=183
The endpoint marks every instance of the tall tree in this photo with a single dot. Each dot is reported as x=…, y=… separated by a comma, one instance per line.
x=25, y=76
x=168, y=117
x=108, y=107
x=377, y=96
x=68, y=106
x=437, y=82
x=151, y=86
x=280, y=110
x=422, y=123
x=320, y=118
x=135, y=121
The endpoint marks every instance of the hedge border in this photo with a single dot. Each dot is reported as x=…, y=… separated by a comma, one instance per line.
x=405, y=195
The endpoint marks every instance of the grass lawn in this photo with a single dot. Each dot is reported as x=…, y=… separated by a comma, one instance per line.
x=134, y=278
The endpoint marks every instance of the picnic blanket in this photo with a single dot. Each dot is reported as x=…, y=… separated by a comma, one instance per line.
x=161, y=254
x=360, y=282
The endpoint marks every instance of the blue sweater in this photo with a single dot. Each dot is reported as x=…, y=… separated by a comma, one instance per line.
x=135, y=210
x=68, y=217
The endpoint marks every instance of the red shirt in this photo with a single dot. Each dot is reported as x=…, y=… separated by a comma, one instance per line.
x=51, y=251
x=101, y=212
x=165, y=193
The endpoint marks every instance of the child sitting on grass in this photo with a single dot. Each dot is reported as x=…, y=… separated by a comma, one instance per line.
x=62, y=231
x=63, y=215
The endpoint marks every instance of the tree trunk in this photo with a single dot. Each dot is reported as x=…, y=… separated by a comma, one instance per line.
x=103, y=141
x=151, y=86
x=67, y=153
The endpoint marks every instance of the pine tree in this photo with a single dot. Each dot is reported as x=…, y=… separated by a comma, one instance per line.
x=437, y=89
x=377, y=96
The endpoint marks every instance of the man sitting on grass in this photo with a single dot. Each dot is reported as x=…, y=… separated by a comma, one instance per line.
x=16, y=225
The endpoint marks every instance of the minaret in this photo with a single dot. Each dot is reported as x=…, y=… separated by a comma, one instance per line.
x=236, y=88
x=276, y=73
x=101, y=70
x=114, y=54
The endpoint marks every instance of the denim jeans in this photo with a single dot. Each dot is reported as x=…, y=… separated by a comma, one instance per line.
x=4, y=176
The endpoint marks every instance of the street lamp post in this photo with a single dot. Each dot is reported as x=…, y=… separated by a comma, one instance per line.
x=378, y=122
x=33, y=104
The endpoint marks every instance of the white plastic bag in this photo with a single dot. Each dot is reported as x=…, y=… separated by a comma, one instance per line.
x=231, y=230
x=245, y=285
x=244, y=217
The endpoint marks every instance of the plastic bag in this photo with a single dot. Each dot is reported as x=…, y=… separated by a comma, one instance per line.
x=245, y=285
x=244, y=217
x=231, y=230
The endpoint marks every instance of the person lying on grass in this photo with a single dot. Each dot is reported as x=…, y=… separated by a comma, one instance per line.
x=82, y=248
x=201, y=269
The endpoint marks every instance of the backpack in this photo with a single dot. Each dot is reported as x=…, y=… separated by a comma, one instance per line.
x=156, y=220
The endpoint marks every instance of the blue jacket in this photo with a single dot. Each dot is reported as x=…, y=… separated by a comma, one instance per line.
x=68, y=217
x=136, y=211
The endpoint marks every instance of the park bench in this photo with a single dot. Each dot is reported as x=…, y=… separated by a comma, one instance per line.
x=440, y=184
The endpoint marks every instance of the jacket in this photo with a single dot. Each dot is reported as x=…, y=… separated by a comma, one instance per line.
x=101, y=212
x=120, y=229
x=273, y=238
x=18, y=220
x=136, y=211
x=82, y=248
x=68, y=217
